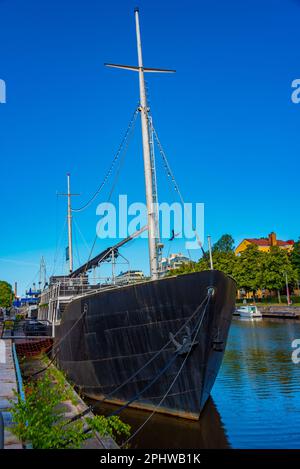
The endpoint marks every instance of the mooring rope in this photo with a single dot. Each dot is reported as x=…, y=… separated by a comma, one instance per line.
x=168, y=364
x=173, y=382
x=153, y=357
x=92, y=407
x=45, y=368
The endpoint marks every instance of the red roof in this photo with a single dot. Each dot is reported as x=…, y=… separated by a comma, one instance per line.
x=266, y=242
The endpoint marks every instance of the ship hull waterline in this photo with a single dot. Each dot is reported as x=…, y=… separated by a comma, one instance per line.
x=106, y=337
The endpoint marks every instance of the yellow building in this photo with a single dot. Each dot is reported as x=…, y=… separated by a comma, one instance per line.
x=264, y=244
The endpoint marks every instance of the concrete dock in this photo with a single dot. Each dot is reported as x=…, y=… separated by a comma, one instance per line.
x=276, y=311
x=8, y=383
x=280, y=311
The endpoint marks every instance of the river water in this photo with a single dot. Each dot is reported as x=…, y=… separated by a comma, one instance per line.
x=255, y=401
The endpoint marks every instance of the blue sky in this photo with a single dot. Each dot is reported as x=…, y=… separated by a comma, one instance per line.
x=225, y=119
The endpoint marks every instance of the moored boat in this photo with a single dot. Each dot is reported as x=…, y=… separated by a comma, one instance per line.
x=248, y=311
x=156, y=344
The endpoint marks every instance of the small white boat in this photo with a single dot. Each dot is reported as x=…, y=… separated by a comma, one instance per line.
x=249, y=311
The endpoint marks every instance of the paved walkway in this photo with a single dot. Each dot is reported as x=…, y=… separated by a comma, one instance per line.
x=8, y=384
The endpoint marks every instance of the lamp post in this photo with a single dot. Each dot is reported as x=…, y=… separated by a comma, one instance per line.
x=210, y=253
x=287, y=289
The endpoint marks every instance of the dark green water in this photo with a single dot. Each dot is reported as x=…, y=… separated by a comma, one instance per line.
x=255, y=401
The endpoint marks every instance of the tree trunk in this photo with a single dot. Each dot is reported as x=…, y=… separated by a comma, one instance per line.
x=279, y=297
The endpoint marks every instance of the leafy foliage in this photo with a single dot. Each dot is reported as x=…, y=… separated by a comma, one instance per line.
x=276, y=264
x=6, y=294
x=109, y=426
x=248, y=269
x=40, y=420
x=224, y=261
x=186, y=268
x=224, y=244
x=295, y=257
x=252, y=269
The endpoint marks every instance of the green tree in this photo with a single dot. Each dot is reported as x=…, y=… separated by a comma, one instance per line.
x=185, y=268
x=224, y=244
x=295, y=257
x=277, y=263
x=6, y=294
x=249, y=269
x=224, y=261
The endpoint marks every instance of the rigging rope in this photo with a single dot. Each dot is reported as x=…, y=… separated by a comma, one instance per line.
x=110, y=196
x=91, y=251
x=156, y=353
x=58, y=246
x=176, y=187
x=57, y=344
x=126, y=135
x=81, y=235
x=91, y=408
x=76, y=246
x=45, y=368
x=174, y=380
x=168, y=364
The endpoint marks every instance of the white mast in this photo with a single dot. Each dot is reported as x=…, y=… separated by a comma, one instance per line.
x=70, y=247
x=153, y=229
x=152, y=222
x=69, y=217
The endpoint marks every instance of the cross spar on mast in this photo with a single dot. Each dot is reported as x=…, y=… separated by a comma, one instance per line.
x=151, y=200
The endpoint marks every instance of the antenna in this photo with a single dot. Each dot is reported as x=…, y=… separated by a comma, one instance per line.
x=149, y=169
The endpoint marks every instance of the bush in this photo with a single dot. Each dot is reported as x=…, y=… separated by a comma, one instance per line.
x=40, y=419
x=109, y=426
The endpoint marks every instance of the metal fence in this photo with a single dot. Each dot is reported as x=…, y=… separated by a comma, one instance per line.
x=25, y=329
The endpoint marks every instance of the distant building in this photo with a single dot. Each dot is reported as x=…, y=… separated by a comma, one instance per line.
x=173, y=262
x=130, y=276
x=264, y=244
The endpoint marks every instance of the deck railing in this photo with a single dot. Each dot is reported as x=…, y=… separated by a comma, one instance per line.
x=25, y=329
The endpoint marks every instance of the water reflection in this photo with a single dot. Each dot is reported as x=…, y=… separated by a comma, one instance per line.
x=256, y=398
x=163, y=431
x=260, y=380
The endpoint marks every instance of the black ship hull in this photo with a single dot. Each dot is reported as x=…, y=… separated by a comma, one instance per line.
x=110, y=335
